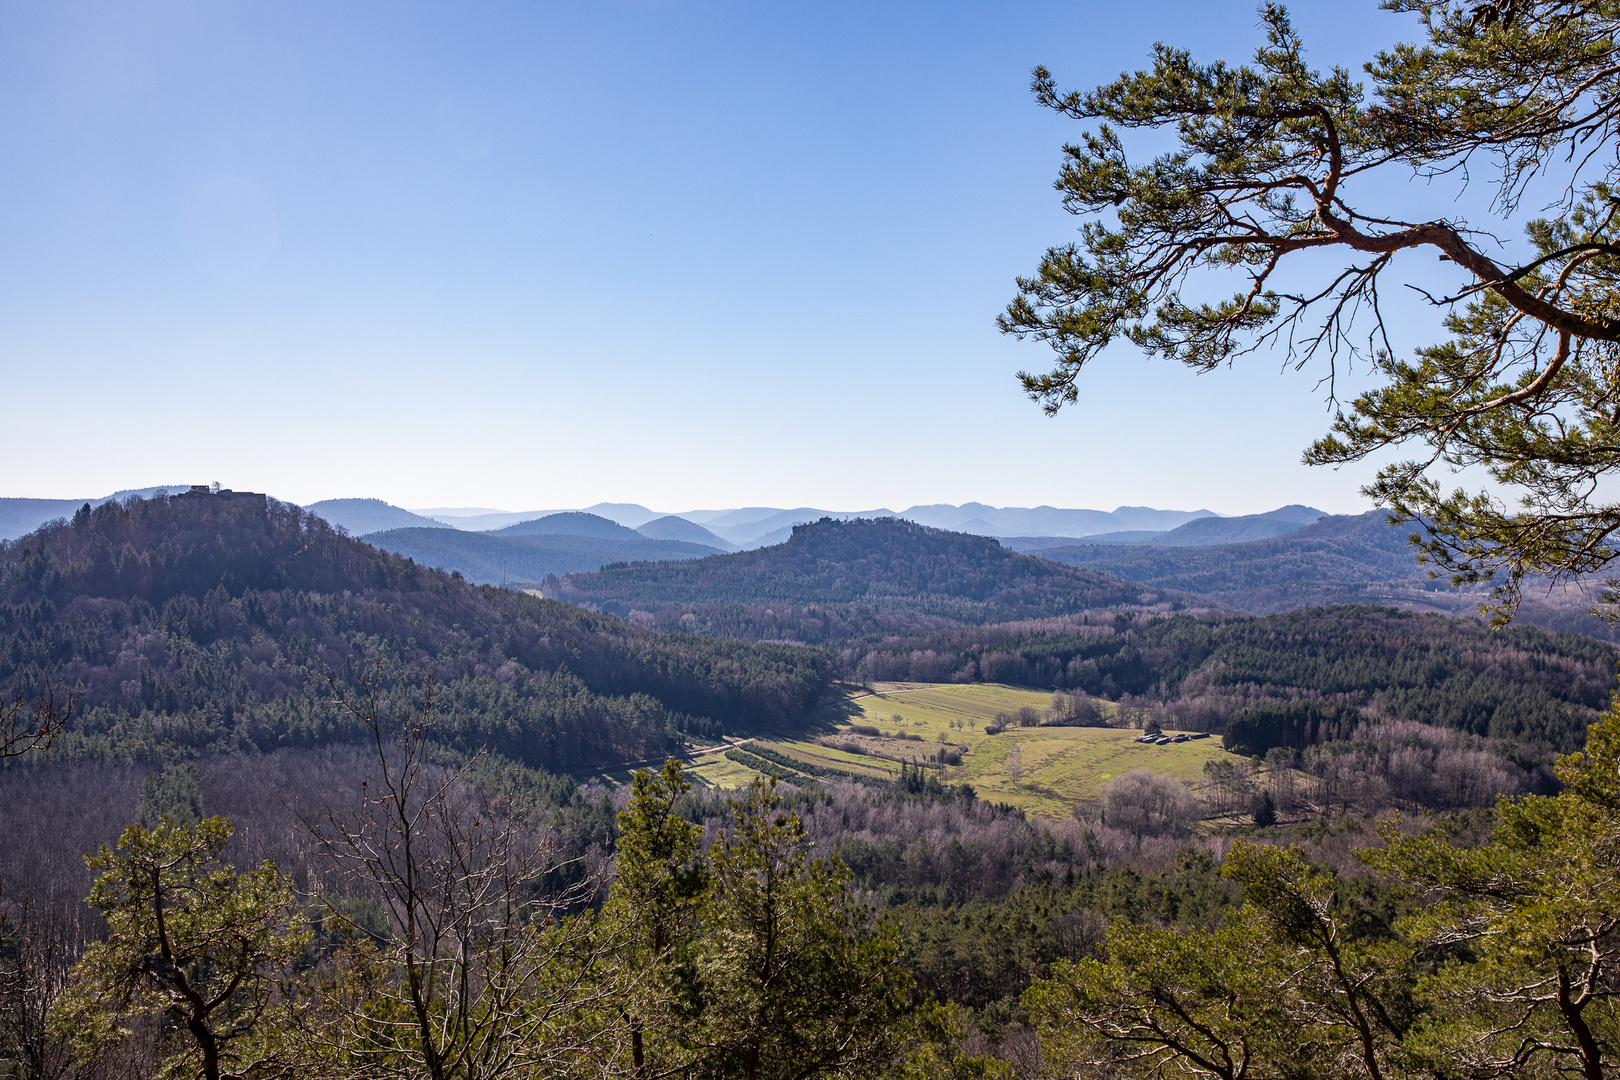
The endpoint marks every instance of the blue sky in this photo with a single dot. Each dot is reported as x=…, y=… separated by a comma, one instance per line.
x=543, y=254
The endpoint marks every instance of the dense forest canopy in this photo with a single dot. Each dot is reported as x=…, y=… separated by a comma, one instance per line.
x=214, y=622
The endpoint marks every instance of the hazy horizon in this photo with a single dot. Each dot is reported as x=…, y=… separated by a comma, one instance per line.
x=898, y=507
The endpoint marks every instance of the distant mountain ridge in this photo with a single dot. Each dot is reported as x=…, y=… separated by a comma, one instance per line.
x=484, y=519
x=1340, y=559
x=986, y=520
x=761, y=526
x=498, y=558
x=1200, y=532
x=744, y=527
x=1204, y=532
x=1212, y=531
x=755, y=526
x=1022, y=528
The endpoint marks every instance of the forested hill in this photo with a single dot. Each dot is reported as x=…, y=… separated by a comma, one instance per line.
x=214, y=622
x=518, y=559
x=1349, y=559
x=879, y=563
x=1341, y=559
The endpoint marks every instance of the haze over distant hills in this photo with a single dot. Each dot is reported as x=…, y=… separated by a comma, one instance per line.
x=1199, y=532
x=761, y=526
x=571, y=523
x=675, y=527
x=361, y=516
x=523, y=558
x=18, y=517
x=725, y=529
x=1047, y=520
x=485, y=519
x=1344, y=559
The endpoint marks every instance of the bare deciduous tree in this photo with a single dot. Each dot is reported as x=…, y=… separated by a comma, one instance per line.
x=486, y=973
x=33, y=723
x=1072, y=709
x=38, y=944
x=1143, y=803
x=1228, y=783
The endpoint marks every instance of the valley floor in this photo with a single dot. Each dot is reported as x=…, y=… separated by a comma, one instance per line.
x=1045, y=771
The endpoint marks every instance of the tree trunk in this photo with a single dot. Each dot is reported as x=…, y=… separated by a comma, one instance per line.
x=1591, y=1055
x=210, y=1048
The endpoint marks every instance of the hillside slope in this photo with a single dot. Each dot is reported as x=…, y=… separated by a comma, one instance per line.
x=502, y=558
x=571, y=523
x=18, y=517
x=209, y=622
x=1359, y=559
x=361, y=516
x=675, y=527
x=1211, y=531
x=849, y=570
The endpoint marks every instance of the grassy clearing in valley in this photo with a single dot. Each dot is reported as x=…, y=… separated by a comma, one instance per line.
x=1059, y=767
x=719, y=771
x=827, y=757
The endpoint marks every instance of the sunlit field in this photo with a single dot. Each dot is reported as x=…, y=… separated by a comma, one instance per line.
x=1045, y=771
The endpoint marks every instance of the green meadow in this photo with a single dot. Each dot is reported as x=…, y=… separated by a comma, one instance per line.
x=1045, y=771
x=717, y=770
